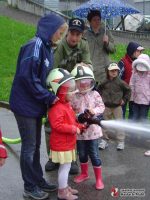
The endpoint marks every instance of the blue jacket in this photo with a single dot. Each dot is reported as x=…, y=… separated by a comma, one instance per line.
x=29, y=96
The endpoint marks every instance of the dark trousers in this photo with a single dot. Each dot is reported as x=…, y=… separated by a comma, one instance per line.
x=124, y=107
x=140, y=111
x=89, y=148
x=30, y=132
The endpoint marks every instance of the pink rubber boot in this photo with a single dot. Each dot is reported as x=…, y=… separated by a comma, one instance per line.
x=98, y=175
x=84, y=173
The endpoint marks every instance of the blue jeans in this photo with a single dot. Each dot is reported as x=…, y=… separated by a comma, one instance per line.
x=89, y=148
x=30, y=132
x=140, y=111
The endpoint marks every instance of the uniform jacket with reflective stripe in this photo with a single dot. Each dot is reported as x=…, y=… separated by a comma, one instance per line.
x=29, y=96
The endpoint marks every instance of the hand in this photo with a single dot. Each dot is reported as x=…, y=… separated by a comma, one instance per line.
x=55, y=100
x=2, y=161
x=78, y=131
x=105, y=39
x=84, y=64
x=82, y=127
x=88, y=113
x=91, y=111
x=87, y=65
x=122, y=102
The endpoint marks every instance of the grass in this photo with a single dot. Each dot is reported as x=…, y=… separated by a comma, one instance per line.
x=121, y=50
x=13, y=34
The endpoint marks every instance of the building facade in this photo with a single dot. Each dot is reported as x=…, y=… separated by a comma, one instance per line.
x=61, y=5
x=141, y=5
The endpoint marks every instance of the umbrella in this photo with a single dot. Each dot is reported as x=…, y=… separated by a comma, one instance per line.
x=108, y=8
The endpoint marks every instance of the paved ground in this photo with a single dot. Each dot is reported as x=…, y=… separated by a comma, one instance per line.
x=124, y=170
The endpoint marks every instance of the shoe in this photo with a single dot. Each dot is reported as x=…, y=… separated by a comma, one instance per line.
x=65, y=194
x=103, y=144
x=73, y=191
x=47, y=187
x=50, y=166
x=147, y=153
x=120, y=146
x=74, y=168
x=35, y=194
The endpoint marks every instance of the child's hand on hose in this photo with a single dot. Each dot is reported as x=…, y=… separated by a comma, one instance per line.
x=88, y=113
x=82, y=127
x=78, y=131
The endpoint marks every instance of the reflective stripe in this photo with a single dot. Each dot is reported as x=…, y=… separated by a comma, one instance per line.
x=2, y=146
x=37, y=47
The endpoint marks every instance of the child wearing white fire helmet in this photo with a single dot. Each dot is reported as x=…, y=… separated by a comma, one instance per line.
x=140, y=86
x=87, y=142
x=64, y=129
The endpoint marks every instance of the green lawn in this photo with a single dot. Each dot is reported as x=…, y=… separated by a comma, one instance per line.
x=13, y=34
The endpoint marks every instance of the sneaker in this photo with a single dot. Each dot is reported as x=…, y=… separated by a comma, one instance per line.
x=147, y=153
x=120, y=146
x=103, y=144
x=50, y=166
x=74, y=168
x=35, y=194
x=47, y=187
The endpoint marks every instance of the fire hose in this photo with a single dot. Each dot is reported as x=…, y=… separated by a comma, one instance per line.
x=88, y=118
x=85, y=117
x=7, y=140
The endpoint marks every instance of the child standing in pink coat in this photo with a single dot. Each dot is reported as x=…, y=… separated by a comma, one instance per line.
x=140, y=87
x=87, y=142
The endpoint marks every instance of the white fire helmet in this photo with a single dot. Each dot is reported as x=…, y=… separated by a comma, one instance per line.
x=60, y=77
x=84, y=78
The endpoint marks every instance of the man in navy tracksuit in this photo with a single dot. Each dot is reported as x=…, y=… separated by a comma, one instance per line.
x=29, y=100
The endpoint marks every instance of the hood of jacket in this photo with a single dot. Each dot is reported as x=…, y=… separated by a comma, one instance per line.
x=47, y=26
x=132, y=47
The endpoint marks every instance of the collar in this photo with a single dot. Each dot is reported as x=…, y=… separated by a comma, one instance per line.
x=68, y=48
x=91, y=30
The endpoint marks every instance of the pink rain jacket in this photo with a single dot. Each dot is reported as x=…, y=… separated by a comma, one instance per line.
x=140, y=87
x=90, y=100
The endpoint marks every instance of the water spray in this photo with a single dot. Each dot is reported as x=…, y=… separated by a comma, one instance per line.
x=131, y=127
